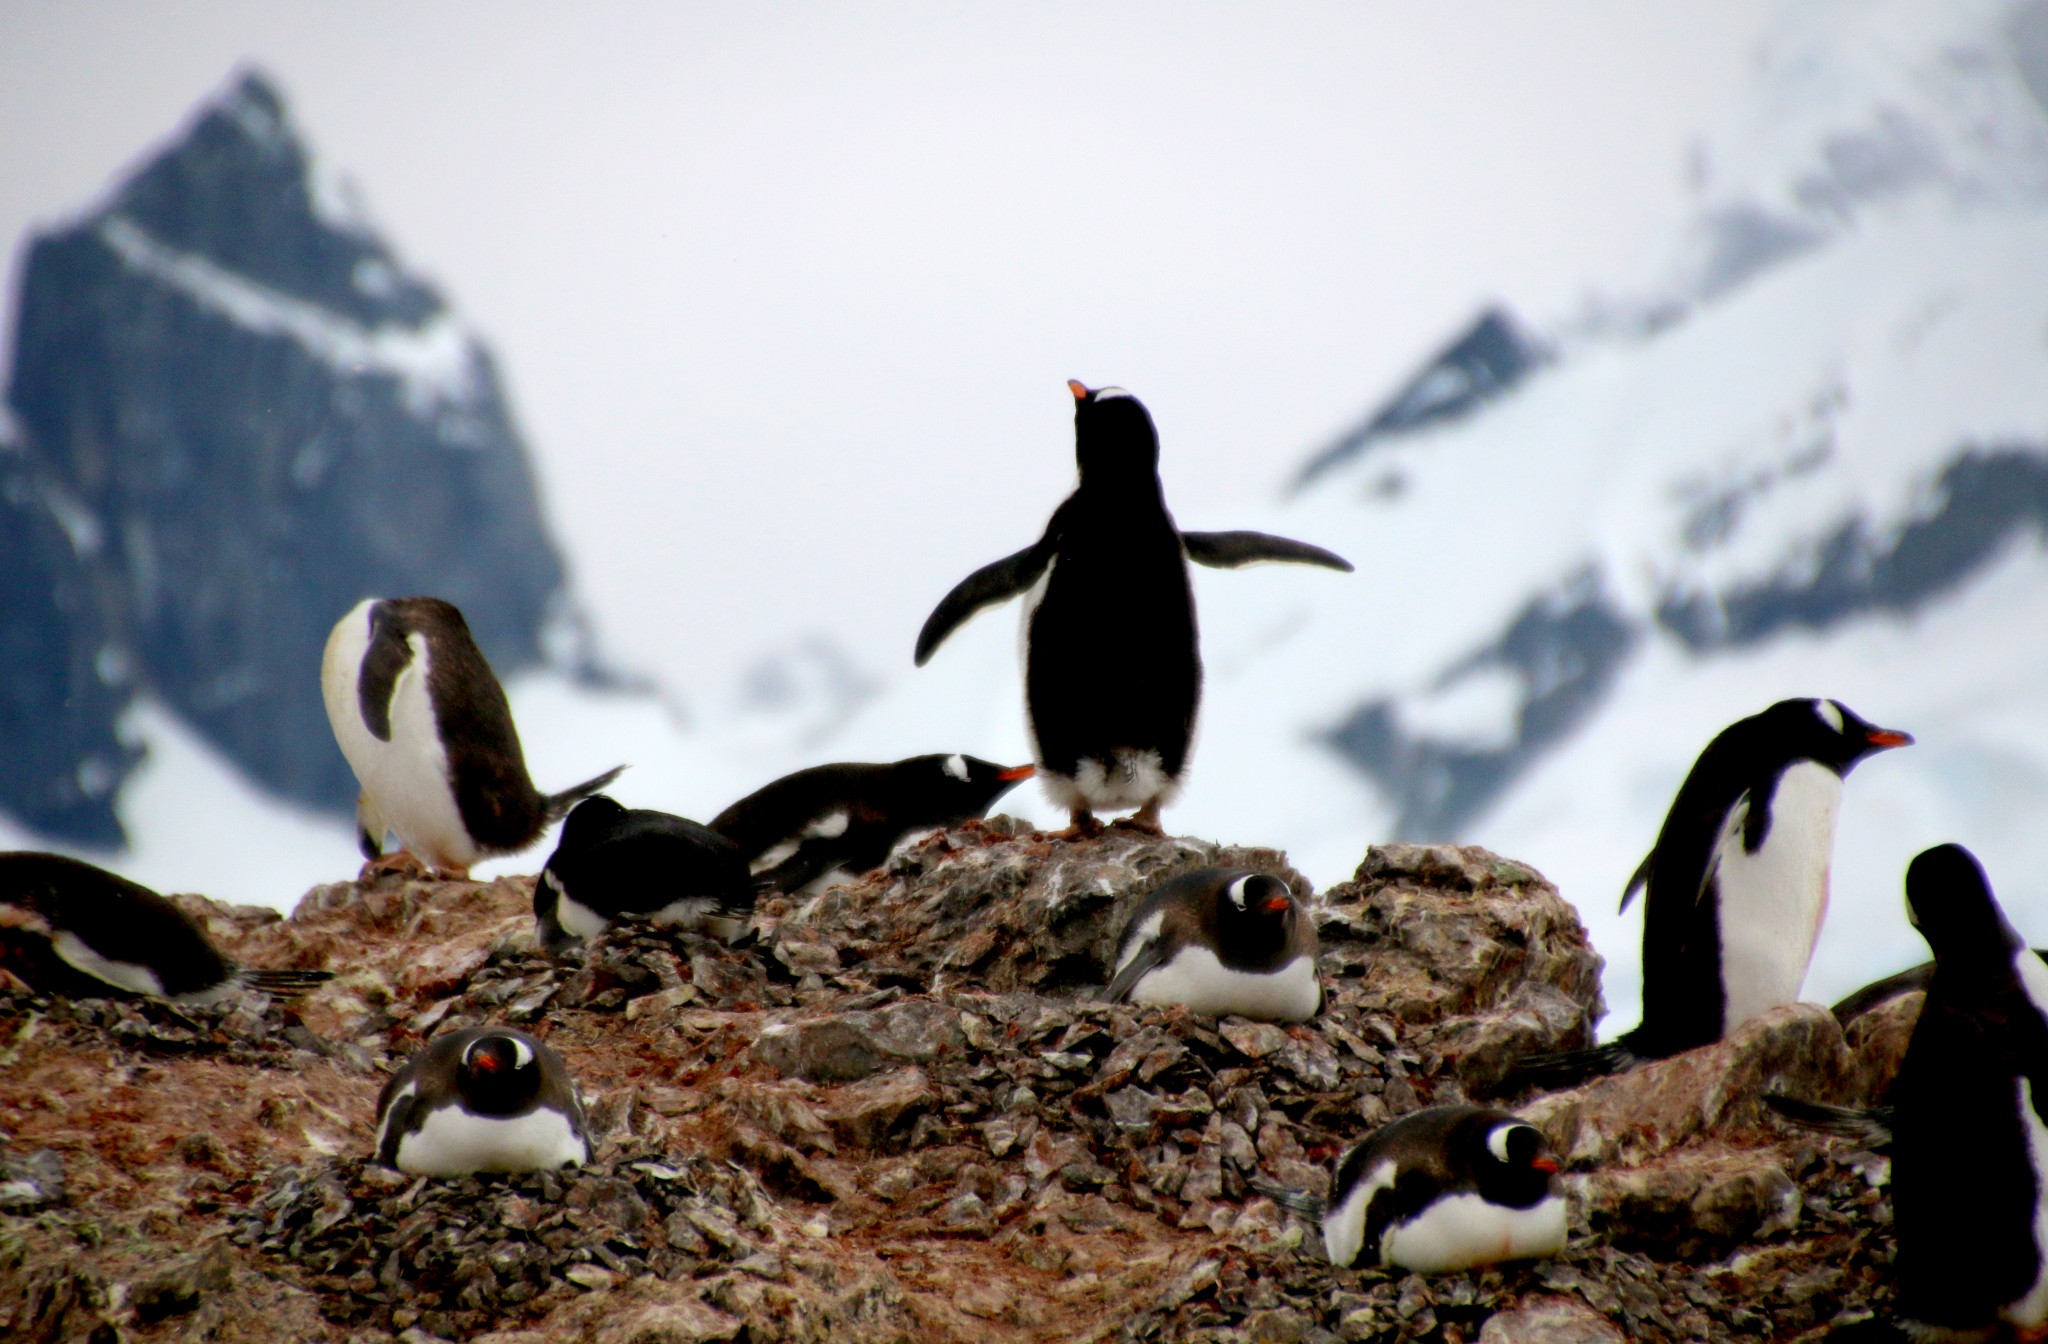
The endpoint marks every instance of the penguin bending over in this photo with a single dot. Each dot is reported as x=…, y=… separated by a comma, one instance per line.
x=615, y=861
x=847, y=817
x=1112, y=664
x=1737, y=883
x=1446, y=1189
x=481, y=1099
x=425, y=726
x=72, y=929
x=1221, y=941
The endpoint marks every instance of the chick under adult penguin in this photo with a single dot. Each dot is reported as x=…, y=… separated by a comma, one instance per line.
x=1112, y=664
x=69, y=928
x=613, y=861
x=1446, y=1189
x=1737, y=883
x=1221, y=941
x=425, y=726
x=848, y=816
x=1969, y=1117
x=481, y=1099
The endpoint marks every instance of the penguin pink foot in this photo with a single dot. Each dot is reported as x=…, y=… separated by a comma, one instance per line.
x=1082, y=825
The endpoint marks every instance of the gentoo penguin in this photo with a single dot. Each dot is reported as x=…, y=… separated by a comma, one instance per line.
x=847, y=817
x=1446, y=1189
x=1112, y=667
x=1970, y=1115
x=82, y=931
x=613, y=861
x=1221, y=941
x=481, y=1099
x=424, y=724
x=1737, y=882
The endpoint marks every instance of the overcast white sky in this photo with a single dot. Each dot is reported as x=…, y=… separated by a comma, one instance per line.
x=786, y=295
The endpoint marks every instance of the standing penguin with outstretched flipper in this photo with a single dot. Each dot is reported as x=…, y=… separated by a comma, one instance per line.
x=1737, y=884
x=1112, y=663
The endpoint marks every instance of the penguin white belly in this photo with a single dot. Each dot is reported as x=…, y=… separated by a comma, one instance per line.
x=73, y=952
x=1463, y=1230
x=577, y=920
x=1032, y=597
x=1196, y=979
x=1133, y=779
x=406, y=777
x=454, y=1142
x=1773, y=901
x=1344, y=1223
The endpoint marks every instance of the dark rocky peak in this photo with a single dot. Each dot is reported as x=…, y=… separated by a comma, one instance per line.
x=1483, y=361
x=238, y=188
x=236, y=416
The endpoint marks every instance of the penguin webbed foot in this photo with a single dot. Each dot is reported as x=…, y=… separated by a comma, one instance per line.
x=1082, y=825
x=398, y=863
x=1145, y=821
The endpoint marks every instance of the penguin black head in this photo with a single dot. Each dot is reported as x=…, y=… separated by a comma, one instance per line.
x=1829, y=732
x=1114, y=439
x=499, y=1074
x=1256, y=912
x=590, y=819
x=1949, y=900
x=971, y=782
x=1515, y=1165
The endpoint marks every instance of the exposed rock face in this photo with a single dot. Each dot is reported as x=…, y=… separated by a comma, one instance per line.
x=869, y=1125
x=238, y=416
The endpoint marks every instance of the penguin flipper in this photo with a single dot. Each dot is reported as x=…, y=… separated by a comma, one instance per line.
x=555, y=806
x=1870, y=1126
x=1303, y=1202
x=990, y=584
x=285, y=984
x=1233, y=550
x=1148, y=957
x=1637, y=880
x=1556, y=1070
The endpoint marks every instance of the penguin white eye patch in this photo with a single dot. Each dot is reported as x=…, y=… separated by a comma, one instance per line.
x=1830, y=713
x=1497, y=1142
x=956, y=766
x=1111, y=394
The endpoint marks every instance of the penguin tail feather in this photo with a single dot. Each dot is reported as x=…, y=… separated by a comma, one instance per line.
x=555, y=806
x=1869, y=1126
x=1308, y=1205
x=1556, y=1070
x=284, y=982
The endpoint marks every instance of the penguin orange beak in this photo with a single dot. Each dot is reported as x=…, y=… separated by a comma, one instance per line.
x=1888, y=737
x=1017, y=772
x=1548, y=1164
x=1078, y=388
x=1275, y=904
x=484, y=1063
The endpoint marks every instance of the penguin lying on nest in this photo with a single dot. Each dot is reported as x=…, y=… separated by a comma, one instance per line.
x=1221, y=941
x=1440, y=1190
x=830, y=821
x=481, y=1099
x=614, y=861
x=1736, y=885
x=83, y=932
x=425, y=726
x=1112, y=663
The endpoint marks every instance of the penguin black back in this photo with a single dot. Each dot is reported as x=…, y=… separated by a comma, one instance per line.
x=1970, y=1146
x=94, y=931
x=849, y=815
x=614, y=861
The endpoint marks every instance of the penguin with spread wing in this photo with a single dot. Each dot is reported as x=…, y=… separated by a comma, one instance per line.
x=1112, y=662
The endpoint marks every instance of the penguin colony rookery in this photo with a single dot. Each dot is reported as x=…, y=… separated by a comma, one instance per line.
x=1735, y=891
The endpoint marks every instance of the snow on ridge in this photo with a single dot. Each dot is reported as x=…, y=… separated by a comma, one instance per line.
x=436, y=364
x=1857, y=103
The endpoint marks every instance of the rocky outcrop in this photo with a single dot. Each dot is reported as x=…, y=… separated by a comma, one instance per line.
x=872, y=1123
x=237, y=414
